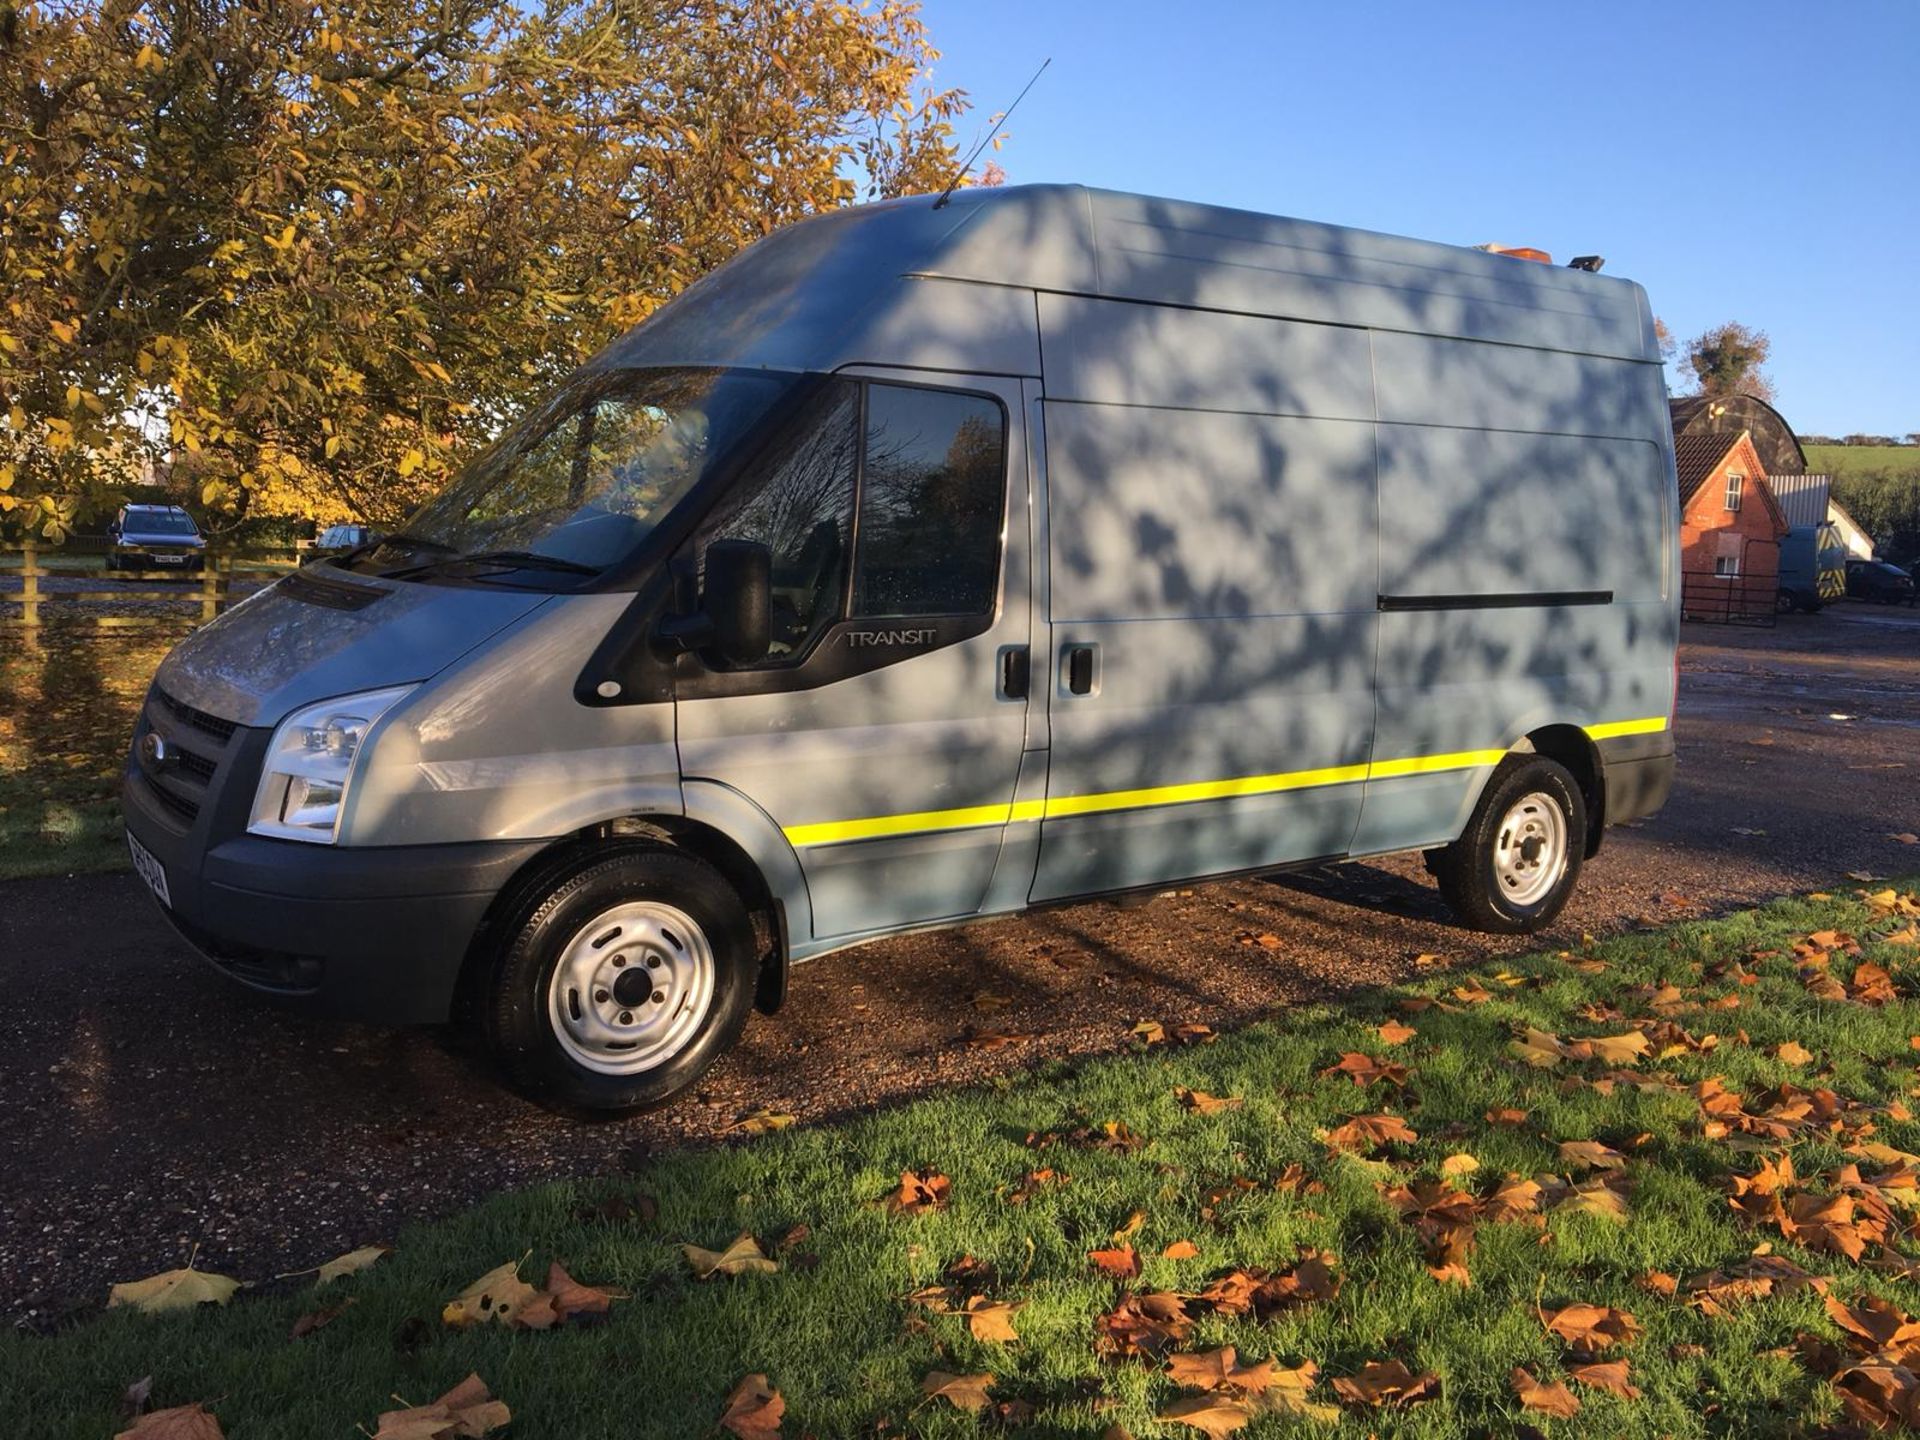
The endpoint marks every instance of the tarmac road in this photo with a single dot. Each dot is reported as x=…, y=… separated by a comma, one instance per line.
x=147, y=1107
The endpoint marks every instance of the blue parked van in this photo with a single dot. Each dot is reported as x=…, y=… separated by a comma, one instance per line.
x=934, y=560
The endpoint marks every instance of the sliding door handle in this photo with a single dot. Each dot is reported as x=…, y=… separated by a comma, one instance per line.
x=1077, y=663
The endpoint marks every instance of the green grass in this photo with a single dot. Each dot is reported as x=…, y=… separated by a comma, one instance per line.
x=1868, y=459
x=846, y=1349
x=66, y=716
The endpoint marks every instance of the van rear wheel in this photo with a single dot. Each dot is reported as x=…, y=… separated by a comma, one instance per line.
x=1513, y=870
x=621, y=981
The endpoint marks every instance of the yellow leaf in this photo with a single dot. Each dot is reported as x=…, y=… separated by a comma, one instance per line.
x=351, y=1262
x=742, y=1257
x=411, y=461
x=500, y=1294
x=174, y=1290
x=333, y=446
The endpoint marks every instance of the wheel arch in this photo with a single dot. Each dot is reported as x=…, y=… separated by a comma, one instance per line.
x=1572, y=747
x=774, y=899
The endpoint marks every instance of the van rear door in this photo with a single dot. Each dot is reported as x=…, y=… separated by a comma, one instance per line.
x=885, y=734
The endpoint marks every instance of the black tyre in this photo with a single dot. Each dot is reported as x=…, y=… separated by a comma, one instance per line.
x=1514, y=868
x=620, y=981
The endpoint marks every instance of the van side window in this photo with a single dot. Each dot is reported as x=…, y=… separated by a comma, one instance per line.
x=930, y=503
x=801, y=509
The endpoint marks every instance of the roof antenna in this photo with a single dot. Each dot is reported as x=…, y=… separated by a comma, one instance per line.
x=974, y=154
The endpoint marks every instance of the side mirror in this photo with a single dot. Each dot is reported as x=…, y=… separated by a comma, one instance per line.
x=733, y=615
x=738, y=598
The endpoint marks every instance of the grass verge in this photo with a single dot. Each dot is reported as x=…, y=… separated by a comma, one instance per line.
x=1252, y=1186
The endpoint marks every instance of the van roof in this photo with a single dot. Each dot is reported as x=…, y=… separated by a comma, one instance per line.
x=838, y=280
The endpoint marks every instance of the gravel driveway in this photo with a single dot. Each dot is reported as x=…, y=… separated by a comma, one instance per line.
x=146, y=1107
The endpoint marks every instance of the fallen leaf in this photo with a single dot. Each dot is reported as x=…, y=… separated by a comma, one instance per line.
x=1618, y=1049
x=1590, y=1329
x=1608, y=1375
x=1592, y=1155
x=317, y=1320
x=1508, y=1117
x=1387, y=1382
x=572, y=1300
x=1905, y=837
x=499, y=1295
x=1365, y=1133
x=1459, y=1164
x=1363, y=1070
x=986, y=1001
x=753, y=1409
x=1202, y=1103
x=174, y=1290
x=963, y=1392
x=1119, y=1262
x=992, y=1320
x=1149, y=1032
x=468, y=1409
x=1211, y=1414
x=1180, y=1250
x=351, y=1263
x=1215, y=1369
x=742, y=1257
x=764, y=1122
x=1548, y=1398
x=1793, y=1053
x=181, y=1422
x=1131, y=1227
x=1148, y=1325
x=919, y=1192
x=1394, y=1033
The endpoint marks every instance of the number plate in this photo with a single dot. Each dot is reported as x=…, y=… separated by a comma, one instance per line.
x=149, y=868
x=169, y=559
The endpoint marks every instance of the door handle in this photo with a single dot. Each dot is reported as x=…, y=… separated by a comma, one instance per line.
x=1015, y=670
x=1079, y=668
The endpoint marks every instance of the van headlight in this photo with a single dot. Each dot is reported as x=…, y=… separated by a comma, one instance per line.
x=310, y=764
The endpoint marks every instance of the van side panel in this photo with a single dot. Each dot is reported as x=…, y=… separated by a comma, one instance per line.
x=1221, y=563
x=1541, y=479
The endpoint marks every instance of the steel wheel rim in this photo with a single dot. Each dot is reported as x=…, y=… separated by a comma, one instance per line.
x=601, y=998
x=1530, y=849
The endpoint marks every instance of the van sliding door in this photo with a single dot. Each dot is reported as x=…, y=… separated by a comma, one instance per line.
x=1212, y=564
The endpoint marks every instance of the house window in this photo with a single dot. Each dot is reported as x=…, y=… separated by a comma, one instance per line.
x=1726, y=567
x=1734, y=481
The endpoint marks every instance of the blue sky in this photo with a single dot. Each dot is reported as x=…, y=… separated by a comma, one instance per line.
x=1754, y=161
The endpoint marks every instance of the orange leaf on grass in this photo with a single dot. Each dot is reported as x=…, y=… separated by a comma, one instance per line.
x=1394, y=1033
x=180, y=1422
x=1119, y=1262
x=1387, y=1382
x=919, y=1192
x=1608, y=1375
x=1589, y=1329
x=753, y=1410
x=1366, y=1133
x=1549, y=1398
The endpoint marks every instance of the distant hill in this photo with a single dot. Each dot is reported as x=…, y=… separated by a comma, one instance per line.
x=1864, y=459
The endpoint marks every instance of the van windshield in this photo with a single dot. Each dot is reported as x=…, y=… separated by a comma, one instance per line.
x=583, y=479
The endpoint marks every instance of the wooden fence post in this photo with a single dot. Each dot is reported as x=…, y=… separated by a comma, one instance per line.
x=30, y=589
x=209, y=584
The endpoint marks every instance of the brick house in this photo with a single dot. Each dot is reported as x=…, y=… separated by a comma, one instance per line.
x=1730, y=528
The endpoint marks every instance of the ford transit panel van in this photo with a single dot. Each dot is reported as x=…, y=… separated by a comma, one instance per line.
x=929, y=561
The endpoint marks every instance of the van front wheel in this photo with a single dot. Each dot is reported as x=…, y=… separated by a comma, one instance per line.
x=1514, y=868
x=622, y=982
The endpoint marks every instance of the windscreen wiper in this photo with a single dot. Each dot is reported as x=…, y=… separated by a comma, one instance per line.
x=498, y=559
x=402, y=541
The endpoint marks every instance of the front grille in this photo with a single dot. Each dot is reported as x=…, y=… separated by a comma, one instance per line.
x=221, y=730
x=187, y=809
x=196, y=744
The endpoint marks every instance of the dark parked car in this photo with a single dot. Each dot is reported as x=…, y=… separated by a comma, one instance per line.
x=1877, y=580
x=155, y=537
x=338, y=539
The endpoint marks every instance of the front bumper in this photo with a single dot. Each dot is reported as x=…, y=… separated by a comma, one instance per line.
x=157, y=557
x=376, y=934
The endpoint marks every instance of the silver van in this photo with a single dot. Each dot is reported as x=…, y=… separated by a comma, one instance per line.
x=931, y=561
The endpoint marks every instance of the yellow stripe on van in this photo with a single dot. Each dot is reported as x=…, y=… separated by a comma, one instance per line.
x=1613, y=729
x=832, y=832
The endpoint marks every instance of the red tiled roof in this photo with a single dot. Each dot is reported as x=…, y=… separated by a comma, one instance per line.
x=1698, y=456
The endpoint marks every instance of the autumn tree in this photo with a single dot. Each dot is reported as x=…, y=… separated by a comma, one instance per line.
x=1729, y=359
x=324, y=247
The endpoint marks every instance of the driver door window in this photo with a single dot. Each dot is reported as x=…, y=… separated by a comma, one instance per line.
x=925, y=470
